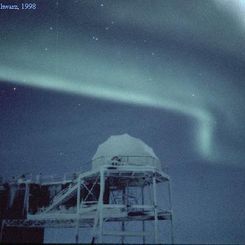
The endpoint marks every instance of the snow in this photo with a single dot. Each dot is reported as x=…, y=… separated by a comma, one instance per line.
x=121, y=149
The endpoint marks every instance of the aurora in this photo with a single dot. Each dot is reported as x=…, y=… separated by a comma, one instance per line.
x=159, y=61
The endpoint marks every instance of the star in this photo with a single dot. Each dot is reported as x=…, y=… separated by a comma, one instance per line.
x=14, y=88
x=51, y=28
x=102, y=5
x=46, y=49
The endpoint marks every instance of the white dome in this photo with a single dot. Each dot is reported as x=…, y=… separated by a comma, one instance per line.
x=126, y=150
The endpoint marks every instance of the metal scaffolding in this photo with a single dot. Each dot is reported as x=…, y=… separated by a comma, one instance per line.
x=108, y=194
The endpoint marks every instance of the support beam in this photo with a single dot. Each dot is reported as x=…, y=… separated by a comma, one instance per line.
x=100, y=203
x=123, y=223
x=78, y=207
x=26, y=199
x=155, y=210
x=126, y=233
x=142, y=202
x=171, y=208
x=90, y=191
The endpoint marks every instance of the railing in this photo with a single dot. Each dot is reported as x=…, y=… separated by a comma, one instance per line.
x=129, y=160
x=47, y=179
x=59, y=194
x=104, y=160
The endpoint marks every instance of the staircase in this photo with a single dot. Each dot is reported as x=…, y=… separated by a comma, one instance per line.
x=62, y=196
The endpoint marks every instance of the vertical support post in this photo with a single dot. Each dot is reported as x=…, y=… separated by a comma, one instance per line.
x=170, y=204
x=100, y=204
x=123, y=224
x=78, y=207
x=143, y=202
x=155, y=209
x=28, y=200
x=27, y=196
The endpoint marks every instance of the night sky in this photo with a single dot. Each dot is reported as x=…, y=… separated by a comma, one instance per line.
x=73, y=73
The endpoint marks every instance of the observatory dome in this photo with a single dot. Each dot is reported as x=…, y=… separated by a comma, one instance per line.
x=124, y=150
